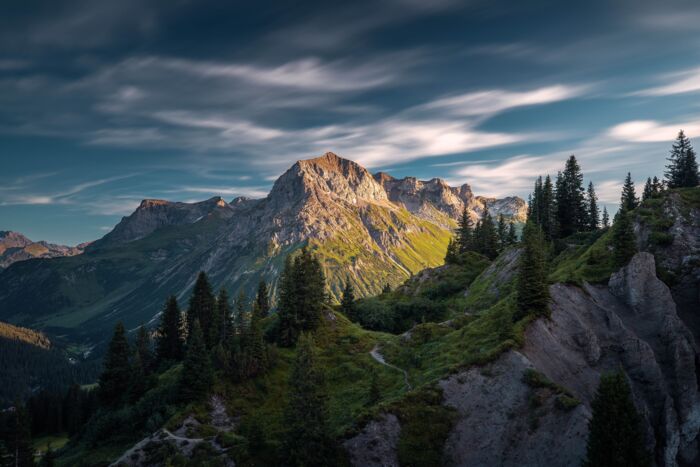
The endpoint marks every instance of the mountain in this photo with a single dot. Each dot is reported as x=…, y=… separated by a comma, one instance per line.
x=372, y=230
x=16, y=247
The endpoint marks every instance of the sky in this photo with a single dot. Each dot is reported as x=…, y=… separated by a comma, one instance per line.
x=105, y=103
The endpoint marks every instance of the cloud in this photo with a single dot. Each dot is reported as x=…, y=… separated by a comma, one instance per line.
x=250, y=192
x=651, y=131
x=682, y=82
x=65, y=196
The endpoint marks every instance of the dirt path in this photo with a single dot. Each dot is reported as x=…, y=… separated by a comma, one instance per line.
x=376, y=354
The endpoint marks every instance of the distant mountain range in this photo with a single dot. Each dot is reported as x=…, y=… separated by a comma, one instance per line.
x=369, y=229
x=16, y=247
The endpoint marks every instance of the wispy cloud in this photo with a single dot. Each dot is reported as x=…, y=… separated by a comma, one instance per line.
x=651, y=131
x=681, y=82
x=250, y=192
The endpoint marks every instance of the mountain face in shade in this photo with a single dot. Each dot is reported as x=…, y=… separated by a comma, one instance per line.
x=369, y=229
x=16, y=247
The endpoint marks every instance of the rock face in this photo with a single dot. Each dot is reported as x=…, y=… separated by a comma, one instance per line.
x=376, y=445
x=16, y=247
x=368, y=229
x=630, y=324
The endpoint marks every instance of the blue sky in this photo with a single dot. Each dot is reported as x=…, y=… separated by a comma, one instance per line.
x=105, y=103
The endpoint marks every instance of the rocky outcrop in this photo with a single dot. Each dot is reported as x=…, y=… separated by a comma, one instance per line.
x=16, y=247
x=630, y=324
x=376, y=445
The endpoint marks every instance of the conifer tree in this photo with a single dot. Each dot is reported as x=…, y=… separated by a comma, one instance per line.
x=20, y=439
x=657, y=186
x=592, y=204
x=302, y=296
x=682, y=170
x=143, y=349
x=196, y=377
x=502, y=232
x=138, y=382
x=253, y=358
x=465, y=232
x=262, y=299
x=623, y=240
x=169, y=344
x=240, y=315
x=451, y=253
x=615, y=437
x=347, y=302
x=116, y=375
x=606, y=218
x=308, y=442
x=648, y=190
x=201, y=308
x=485, y=236
x=535, y=209
x=628, y=199
x=547, y=220
x=532, y=286
x=571, y=213
x=512, y=236
x=224, y=327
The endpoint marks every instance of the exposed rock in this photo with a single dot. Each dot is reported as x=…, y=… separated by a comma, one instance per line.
x=631, y=324
x=16, y=247
x=498, y=424
x=376, y=445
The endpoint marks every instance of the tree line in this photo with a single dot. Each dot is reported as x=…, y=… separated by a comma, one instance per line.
x=486, y=237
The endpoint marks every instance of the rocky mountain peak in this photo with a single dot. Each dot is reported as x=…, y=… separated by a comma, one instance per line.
x=326, y=177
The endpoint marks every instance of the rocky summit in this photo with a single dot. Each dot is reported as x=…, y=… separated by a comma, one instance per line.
x=16, y=247
x=371, y=230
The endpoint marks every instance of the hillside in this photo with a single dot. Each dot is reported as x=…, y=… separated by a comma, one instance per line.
x=16, y=247
x=367, y=231
x=455, y=380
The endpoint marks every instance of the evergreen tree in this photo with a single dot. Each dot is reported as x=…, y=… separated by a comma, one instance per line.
x=201, y=308
x=615, y=437
x=628, y=199
x=240, y=314
x=347, y=302
x=682, y=170
x=532, y=286
x=222, y=326
x=606, y=218
x=592, y=204
x=571, y=213
x=169, y=341
x=116, y=375
x=657, y=186
x=196, y=377
x=452, y=252
x=308, y=442
x=535, y=209
x=623, y=240
x=512, y=236
x=20, y=437
x=138, y=382
x=302, y=296
x=547, y=220
x=648, y=190
x=143, y=349
x=502, y=232
x=485, y=236
x=465, y=232
x=253, y=356
x=262, y=299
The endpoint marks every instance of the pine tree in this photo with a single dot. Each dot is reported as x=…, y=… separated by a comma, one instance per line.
x=302, y=296
x=143, y=349
x=347, y=302
x=628, y=199
x=465, y=232
x=197, y=376
x=308, y=442
x=615, y=437
x=682, y=170
x=512, y=236
x=657, y=186
x=253, y=358
x=571, y=213
x=547, y=219
x=485, y=236
x=623, y=240
x=222, y=325
x=452, y=252
x=262, y=299
x=592, y=204
x=606, y=218
x=169, y=342
x=116, y=375
x=648, y=190
x=535, y=209
x=532, y=286
x=201, y=308
x=20, y=437
x=502, y=232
